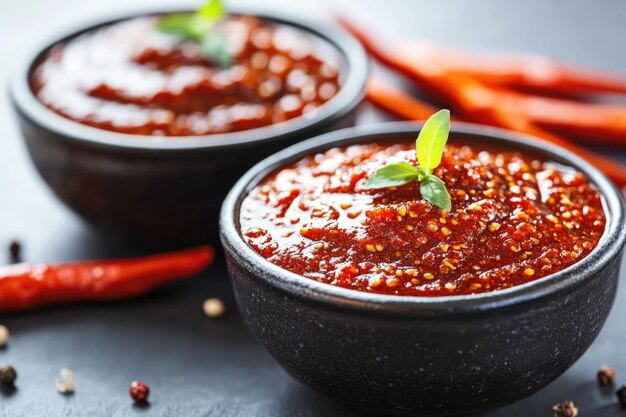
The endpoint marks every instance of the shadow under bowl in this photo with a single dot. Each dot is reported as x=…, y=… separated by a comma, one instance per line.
x=425, y=356
x=165, y=188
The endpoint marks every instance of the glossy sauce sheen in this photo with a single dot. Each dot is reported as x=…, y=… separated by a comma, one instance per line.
x=128, y=77
x=514, y=219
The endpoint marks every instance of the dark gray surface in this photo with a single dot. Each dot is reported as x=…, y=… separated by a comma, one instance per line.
x=198, y=367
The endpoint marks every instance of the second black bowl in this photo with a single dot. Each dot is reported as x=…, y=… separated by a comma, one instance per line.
x=163, y=187
x=425, y=356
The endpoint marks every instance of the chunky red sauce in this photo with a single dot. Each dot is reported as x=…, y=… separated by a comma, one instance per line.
x=514, y=219
x=128, y=77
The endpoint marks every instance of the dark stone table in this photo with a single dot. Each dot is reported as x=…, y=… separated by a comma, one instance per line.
x=200, y=367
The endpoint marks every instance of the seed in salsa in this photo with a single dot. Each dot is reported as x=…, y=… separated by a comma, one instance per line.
x=128, y=77
x=515, y=218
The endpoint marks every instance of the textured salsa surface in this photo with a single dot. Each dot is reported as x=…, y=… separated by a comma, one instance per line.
x=514, y=219
x=128, y=77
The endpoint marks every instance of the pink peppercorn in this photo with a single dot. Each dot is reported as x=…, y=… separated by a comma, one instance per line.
x=139, y=391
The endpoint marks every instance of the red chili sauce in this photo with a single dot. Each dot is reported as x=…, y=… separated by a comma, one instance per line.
x=128, y=77
x=514, y=219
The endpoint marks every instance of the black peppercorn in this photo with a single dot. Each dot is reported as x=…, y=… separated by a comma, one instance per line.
x=567, y=409
x=621, y=396
x=606, y=375
x=14, y=251
x=7, y=375
x=139, y=391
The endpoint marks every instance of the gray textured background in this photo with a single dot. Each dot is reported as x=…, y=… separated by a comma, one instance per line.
x=198, y=367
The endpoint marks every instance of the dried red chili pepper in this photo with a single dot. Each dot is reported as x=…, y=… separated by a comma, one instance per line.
x=24, y=286
x=473, y=101
x=586, y=122
x=396, y=101
x=513, y=71
x=478, y=106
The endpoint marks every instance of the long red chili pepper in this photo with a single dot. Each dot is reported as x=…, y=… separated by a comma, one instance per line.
x=24, y=286
x=501, y=108
x=518, y=71
x=473, y=101
x=492, y=107
x=388, y=97
x=396, y=101
x=407, y=107
x=589, y=122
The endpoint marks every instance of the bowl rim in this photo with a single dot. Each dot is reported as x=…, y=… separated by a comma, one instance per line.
x=349, y=96
x=237, y=249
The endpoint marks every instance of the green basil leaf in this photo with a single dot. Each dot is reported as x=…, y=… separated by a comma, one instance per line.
x=392, y=175
x=211, y=10
x=215, y=48
x=422, y=174
x=175, y=23
x=199, y=27
x=432, y=139
x=184, y=25
x=434, y=191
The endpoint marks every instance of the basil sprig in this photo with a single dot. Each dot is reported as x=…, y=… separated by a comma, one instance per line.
x=429, y=149
x=200, y=27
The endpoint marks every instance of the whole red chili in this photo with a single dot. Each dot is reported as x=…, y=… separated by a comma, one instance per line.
x=25, y=286
x=139, y=391
x=519, y=72
x=477, y=101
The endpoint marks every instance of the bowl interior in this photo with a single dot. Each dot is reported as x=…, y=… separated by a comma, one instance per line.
x=478, y=136
x=353, y=74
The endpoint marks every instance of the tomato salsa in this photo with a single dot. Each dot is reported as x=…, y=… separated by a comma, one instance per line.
x=128, y=77
x=515, y=218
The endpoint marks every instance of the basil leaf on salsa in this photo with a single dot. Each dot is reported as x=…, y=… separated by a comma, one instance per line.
x=434, y=191
x=178, y=24
x=211, y=10
x=199, y=27
x=392, y=175
x=429, y=150
x=214, y=45
x=432, y=139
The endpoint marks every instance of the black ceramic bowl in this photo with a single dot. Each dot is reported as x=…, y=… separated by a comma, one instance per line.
x=418, y=355
x=160, y=187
